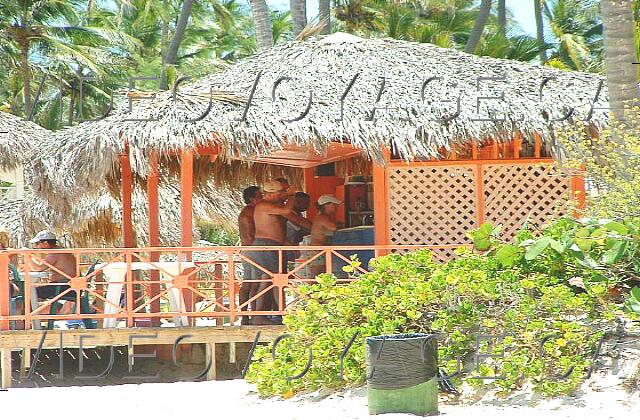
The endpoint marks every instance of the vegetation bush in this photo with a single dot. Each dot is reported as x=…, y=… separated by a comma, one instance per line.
x=547, y=296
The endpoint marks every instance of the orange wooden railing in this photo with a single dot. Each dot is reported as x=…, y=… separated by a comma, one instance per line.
x=204, y=282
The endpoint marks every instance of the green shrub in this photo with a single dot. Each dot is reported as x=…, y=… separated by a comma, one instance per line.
x=463, y=300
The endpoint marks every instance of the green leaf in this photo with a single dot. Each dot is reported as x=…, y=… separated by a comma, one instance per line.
x=635, y=293
x=558, y=246
x=537, y=248
x=617, y=227
x=584, y=244
x=614, y=254
x=508, y=254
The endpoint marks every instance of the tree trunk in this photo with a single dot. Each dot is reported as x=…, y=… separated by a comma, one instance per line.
x=25, y=71
x=474, y=37
x=619, y=53
x=502, y=17
x=164, y=36
x=324, y=7
x=537, y=9
x=181, y=26
x=262, y=21
x=298, y=15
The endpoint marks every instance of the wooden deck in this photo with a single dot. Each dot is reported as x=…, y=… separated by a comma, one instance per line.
x=47, y=339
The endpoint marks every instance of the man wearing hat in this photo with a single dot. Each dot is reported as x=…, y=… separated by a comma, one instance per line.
x=61, y=265
x=270, y=216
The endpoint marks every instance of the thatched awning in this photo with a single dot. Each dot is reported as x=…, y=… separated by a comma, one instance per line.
x=18, y=139
x=417, y=122
x=11, y=221
x=96, y=220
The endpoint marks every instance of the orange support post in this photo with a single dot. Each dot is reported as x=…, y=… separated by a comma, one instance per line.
x=154, y=232
x=517, y=144
x=127, y=189
x=474, y=150
x=5, y=298
x=310, y=188
x=480, y=194
x=578, y=192
x=186, y=197
x=380, y=201
x=537, y=145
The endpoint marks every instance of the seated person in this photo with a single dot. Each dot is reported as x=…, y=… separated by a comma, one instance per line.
x=64, y=263
x=322, y=230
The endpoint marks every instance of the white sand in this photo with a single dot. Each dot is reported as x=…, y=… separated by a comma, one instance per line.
x=211, y=400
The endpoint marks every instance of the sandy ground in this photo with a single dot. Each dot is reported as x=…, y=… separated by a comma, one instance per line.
x=237, y=398
x=612, y=393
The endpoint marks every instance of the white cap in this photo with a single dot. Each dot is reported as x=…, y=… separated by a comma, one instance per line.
x=272, y=187
x=44, y=235
x=326, y=199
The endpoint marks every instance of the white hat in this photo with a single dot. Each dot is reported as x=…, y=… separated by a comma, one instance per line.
x=272, y=187
x=44, y=235
x=326, y=199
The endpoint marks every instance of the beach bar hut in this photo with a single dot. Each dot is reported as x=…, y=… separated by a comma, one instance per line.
x=445, y=140
x=448, y=139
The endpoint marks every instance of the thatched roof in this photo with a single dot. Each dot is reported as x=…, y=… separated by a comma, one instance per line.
x=18, y=138
x=325, y=67
x=97, y=219
x=11, y=221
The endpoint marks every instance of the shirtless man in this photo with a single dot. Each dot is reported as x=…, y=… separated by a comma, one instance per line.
x=270, y=216
x=323, y=229
x=65, y=269
x=247, y=229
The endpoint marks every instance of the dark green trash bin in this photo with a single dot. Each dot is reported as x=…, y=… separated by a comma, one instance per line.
x=402, y=374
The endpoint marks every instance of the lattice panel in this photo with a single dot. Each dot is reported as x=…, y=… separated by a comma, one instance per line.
x=513, y=193
x=431, y=204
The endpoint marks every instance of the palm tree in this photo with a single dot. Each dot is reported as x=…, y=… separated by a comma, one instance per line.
x=298, y=10
x=172, y=52
x=33, y=30
x=577, y=29
x=619, y=54
x=262, y=20
x=484, y=11
x=537, y=9
x=502, y=17
x=324, y=15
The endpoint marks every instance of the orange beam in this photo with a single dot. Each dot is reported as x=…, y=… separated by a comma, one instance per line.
x=495, y=149
x=127, y=190
x=380, y=201
x=474, y=150
x=186, y=197
x=154, y=232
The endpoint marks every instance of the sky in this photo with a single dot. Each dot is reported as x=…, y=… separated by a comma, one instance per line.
x=522, y=11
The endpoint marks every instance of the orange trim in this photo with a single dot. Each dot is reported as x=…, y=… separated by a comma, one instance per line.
x=495, y=150
x=474, y=150
x=186, y=198
x=381, y=201
x=395, y=164
x=127, y=189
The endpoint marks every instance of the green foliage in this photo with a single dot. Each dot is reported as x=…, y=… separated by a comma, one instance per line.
x=473, y=295
x=218, y=235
